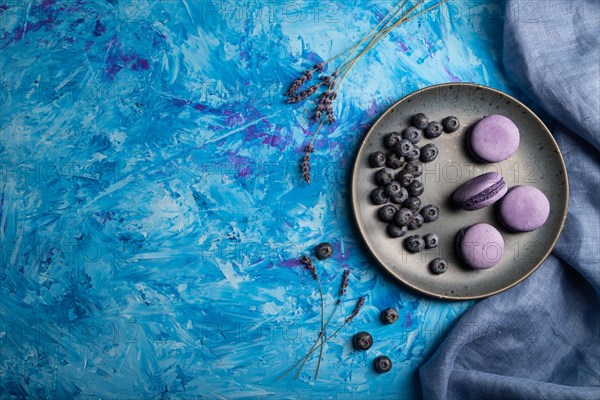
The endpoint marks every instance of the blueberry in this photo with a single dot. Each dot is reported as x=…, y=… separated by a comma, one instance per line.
x=403, y=217
x=433, y=130
x=420, y=121
x=415, y=168
x=377, y=159
x=395, y=161
x=386, y=213
x=378, y=196
x=389, y=316
x=412, y=134
x=391, y=140
x=414, y=154
x=401, y=197
x=429, y=152
x=451, y=124
x=414, y=244
x=412, y=203
x=396, y=231
x=384, y=176
x=362, y=341
x=393, y=189
x=415, y=189
x=438, y=266
x=324, y=250
x=430, y=213
x=416, y=223
x=404, y=178
x=382, y=364
x=431, y=240
x=404, y=147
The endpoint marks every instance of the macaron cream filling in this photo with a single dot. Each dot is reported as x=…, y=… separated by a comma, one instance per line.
x=491, y=191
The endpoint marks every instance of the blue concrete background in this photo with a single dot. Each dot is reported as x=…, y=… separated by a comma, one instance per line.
x=152, y=211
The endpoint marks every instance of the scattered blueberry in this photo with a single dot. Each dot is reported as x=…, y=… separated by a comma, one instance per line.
x=377, y=159
x=404, y=147
x=438, y=266
x=415, y=168
x=389, y=316
x=431, y=240
x=393, y=189
x=403, y=217
x=391, y=140
x=382, y=364
x=362, y=341
x=412, y=134
x=324, y=250
x=414, y=154
x=451, y=124
x=412, y=203
x=420, y=121
x=414, y=244
x=415, y=189
x=433, y=130
x=395, y=161
x=400, y=198
x=429, y=152
x=384, y=176
x=378, y=196
x=386, y=213
x=416, y=223
x=396, y=231
x=404, y=178
x=430, y=213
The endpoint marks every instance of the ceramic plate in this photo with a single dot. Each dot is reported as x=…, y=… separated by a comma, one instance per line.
x=537, y=162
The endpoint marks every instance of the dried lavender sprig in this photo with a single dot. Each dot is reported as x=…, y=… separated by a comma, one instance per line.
x=306, y=76
x=344, y=285
x=322, y=334
x=303, y=359
x=359, y=305
x=303, y=95
x=297, y=84
x=324, y=104
x=350, y=62
x=308, y=263
x=306, y=163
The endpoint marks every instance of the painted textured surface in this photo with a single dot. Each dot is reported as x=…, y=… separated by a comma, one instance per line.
x=151, y=206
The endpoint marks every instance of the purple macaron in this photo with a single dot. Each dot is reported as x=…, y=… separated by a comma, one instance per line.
x=494, y=139
x=480, y=192
x=480, y=246
x=524, y=209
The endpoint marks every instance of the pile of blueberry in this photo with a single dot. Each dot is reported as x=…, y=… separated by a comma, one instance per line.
x=363, y=341
x=398, y=185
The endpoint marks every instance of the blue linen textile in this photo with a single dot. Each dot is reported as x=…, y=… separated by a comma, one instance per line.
x=540, y=339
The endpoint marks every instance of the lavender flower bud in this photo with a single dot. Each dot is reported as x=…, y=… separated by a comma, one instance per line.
x=359, y=305
x=344, y=282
